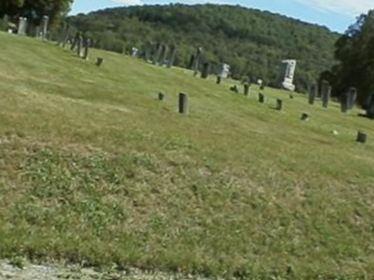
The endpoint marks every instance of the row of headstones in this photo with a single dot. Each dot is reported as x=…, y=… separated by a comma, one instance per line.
x=347, y=99
x=41, y=31
x=79, y=43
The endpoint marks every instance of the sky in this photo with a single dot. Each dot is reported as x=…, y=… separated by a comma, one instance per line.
x=337, y=15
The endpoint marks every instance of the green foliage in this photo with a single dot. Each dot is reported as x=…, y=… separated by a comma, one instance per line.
x=34, y=10
x=355, y=53
x=251, y=41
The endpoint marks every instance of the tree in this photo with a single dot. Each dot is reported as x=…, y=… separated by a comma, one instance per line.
x=355, y=53
x=34, y=10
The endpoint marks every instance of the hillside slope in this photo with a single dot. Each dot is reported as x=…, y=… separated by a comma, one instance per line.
x=251, y=41
x=95, y=170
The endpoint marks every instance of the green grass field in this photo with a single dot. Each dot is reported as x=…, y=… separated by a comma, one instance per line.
x=94, y=169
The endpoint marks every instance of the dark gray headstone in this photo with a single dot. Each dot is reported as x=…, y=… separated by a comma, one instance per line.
x=86, y=46
x=234, y=88
x=246, y=89
x=279, y=106
x=183, y=103
x=261, y=98
x=370, y=107
x=218, y=80
x=99, y=61
x=161, y=96
x=197, y=58
x=348, y=99
x=312, y=94
x=325, y=93
x=206, y=70
x=172, y=55
x=304, y=117
x=157, y=54
x=361, y=137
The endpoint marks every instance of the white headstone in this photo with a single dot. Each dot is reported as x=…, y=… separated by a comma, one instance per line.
x=224, y=71
x=45, y=27
x=288, y=70
x=22, y=26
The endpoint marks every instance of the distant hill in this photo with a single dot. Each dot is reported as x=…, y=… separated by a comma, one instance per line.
x=253, y=42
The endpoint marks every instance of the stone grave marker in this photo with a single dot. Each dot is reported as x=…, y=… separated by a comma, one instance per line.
x=361, y=137
x=279, y=106
x=183, y=104
x=173, y=54
x=370, y=107
x=261, y=98
x=86, y=47
x=325, y=93
x=348, y=99
x=99, y=61
x=45, y=22
x=161, y=96
x=287, y=74
x=22, y=26
x=134, y=52
x=206, y=69
x=246, y=89
x=312, y=94
x=234, y=88
x=304, y=117
x=196, y=61
x=352, y=97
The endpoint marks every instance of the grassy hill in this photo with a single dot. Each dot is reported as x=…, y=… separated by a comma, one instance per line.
x=253, y=42
x=94, y=169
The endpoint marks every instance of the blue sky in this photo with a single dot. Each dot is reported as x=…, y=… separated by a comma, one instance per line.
x=335, y=14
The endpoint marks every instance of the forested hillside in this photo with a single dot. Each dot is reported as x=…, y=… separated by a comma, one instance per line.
x=251, y=41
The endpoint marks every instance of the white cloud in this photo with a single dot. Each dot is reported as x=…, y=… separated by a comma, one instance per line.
x=128, y=2
x=346, y=7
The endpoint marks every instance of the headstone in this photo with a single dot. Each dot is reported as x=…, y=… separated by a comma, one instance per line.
x=173, y=54
x=183, y=103
x=161, y=96
x=246, y=89
x=279, y=106
x=348, y=99
x=325, y=93
x=79, y=45
x=163, y=56
x=197, y=58
x=224, y=71
x=38, y=33
x=291, y=96
x=99, y=61
x=6, y=21
x=75, y=41
x=287, y=74
x=305, y=117
x=45, y=22
x=86, y=46
x=134, y=52
x=157, y=53
x=206, y=69
x=361, y=137
x=262, y=86
x=312, y=94
x=370, y=107
x=218, y=80
x=261, y=98
x=234, y=88
x=22, y=26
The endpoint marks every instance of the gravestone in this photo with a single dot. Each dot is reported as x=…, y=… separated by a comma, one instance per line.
x=75, y=41
x=157, y=53
x=86, y=46
x=261, y=98
x=312, y=94
x=134, y=52
x=45, y=22
x=197, y=58
x=38, y=32
x=348, y=99
x=79, y=45
x=218, y=80
x=325, y=93
x=206, y=69
x=304, y=117
x=361, y=137
x=287, y=74
x=183, y=103
x=234, y=88
x=246, y=89
x=161, y=96
x=279, y=106
x=173, y=54
x=352, y=97
x=99, y=61
x=6, y=22
x=164, y=55
x=22, y=26
x=370, y=107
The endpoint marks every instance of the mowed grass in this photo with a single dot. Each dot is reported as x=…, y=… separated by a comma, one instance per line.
x=94, y=169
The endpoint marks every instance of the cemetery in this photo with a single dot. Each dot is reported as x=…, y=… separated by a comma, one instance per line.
x=128, y=161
